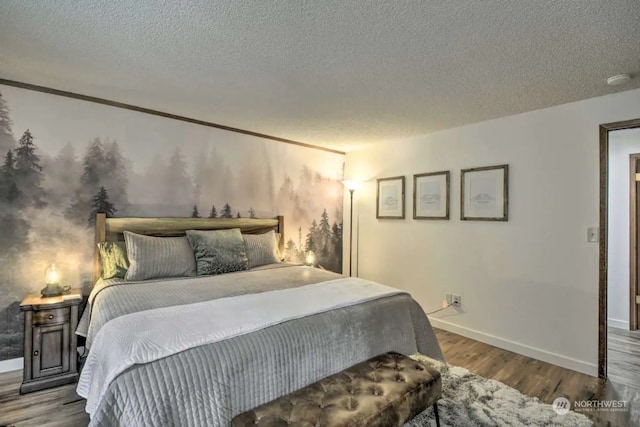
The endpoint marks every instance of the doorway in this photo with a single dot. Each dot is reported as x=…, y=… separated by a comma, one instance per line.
x=634, y=231
x=603, y=288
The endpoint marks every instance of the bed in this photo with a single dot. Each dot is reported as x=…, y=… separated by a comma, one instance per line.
x=199, y=350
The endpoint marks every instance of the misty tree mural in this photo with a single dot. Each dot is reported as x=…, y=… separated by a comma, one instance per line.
x=64, y=160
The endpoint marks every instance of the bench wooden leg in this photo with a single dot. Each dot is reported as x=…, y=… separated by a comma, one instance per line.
x=435, y=411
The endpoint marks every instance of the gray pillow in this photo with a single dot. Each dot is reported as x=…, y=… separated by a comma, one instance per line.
x=113, y=259
x=261, y=249
x=218, y=251
x=155, y=257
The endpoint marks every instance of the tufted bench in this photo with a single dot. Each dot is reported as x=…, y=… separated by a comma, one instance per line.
x=384, y=391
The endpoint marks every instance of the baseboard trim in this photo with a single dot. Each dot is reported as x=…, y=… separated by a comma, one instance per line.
x=11, y=365
x=516, y=347
x=620, y=324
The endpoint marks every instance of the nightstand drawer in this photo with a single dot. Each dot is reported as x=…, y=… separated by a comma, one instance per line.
x=50, y=317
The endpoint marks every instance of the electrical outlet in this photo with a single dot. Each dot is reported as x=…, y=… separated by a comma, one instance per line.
x=456, y=300
x=448, y=298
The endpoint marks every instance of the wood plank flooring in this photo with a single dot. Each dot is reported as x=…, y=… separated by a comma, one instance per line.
x=624, y=356
x=55, y=407
x=546, y=382
x=62, y=407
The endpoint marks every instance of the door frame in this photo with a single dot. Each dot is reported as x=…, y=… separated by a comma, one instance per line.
x=633, y=241
x=604, y=250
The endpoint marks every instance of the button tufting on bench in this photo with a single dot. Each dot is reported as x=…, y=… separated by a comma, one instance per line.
x=386, y=390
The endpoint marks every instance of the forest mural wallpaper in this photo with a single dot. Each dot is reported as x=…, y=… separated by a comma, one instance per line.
x=62, y=160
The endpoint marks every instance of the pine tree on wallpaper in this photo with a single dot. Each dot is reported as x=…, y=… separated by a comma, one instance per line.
x=213, y=213
x=102, y=166
x=194, y=212
x=28, y=173
x=252, y=213
x=324, y=234
x=100, y=203
x=310, y=244
x=6, y=133
x=8, y=189
x=226, y=211
x=20, y=185
x=89, y=185
x=291, y=252
x=14, y=227
x=336, y=232
x=93, y=166
x=114, y=175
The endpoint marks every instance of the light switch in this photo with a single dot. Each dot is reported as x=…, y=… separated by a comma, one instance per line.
x=593, y=233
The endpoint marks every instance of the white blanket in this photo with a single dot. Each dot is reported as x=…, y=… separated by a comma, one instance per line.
x=150, y=335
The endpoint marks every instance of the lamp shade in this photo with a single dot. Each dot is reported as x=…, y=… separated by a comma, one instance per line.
x=52, y=274
x=351, y=184
x=310, y=258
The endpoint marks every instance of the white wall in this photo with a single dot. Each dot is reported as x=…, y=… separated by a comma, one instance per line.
x=621, y=144
x=529, y=284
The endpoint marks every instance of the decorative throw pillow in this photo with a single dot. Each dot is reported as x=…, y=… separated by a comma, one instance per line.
x=261, y=249
x=218, y=251
x=155, y=257
x=113, y=258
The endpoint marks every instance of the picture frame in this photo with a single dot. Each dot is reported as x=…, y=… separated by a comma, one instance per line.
x=431, y=195
x=484, y=193
x=390, y=198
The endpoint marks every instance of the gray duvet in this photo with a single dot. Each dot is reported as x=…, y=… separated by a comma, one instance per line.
x=209, y=384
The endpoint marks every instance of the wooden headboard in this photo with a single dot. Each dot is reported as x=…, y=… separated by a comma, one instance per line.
x=111, y=229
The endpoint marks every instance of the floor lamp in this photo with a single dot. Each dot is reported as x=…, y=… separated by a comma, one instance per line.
x=351, y=186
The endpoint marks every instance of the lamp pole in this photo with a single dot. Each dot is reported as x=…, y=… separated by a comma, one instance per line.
x=351, y=190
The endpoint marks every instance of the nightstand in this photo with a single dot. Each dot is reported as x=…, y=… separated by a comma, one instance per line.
x=50, y=357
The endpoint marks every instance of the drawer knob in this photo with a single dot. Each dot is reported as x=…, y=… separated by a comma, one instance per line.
x=35, y=353
x=50, y=317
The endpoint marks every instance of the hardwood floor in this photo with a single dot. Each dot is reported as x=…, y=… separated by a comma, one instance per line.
x=56, y=407
x=624, y=356
x=547, y=382
x=61, y=406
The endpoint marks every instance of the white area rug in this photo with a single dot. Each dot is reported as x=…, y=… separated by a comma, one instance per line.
x=470, y=400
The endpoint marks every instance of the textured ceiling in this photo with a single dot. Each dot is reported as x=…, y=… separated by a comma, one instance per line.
x=328, y=72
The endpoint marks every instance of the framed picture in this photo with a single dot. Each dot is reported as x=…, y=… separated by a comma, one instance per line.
x=485, y=193
x=431, y=195
x=390, y=198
